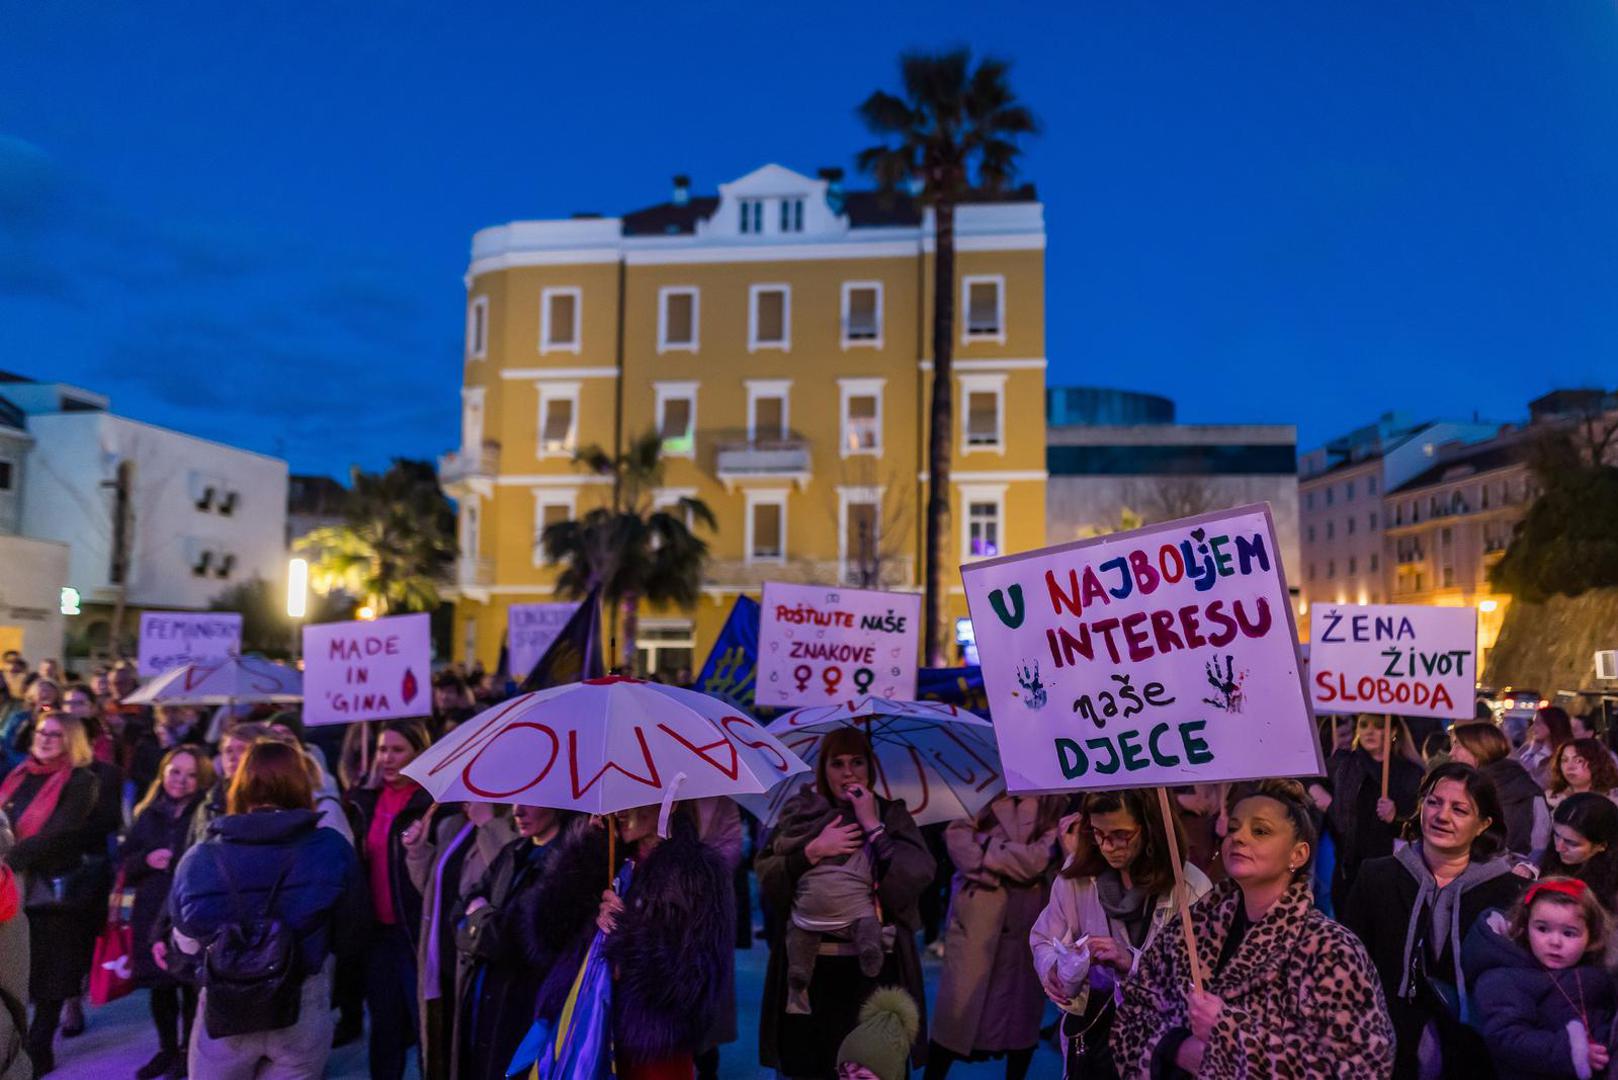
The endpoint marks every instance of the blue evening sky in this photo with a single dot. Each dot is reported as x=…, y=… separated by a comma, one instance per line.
x=250, y=220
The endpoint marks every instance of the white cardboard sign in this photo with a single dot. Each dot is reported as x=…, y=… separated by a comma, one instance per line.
x=376, y=670
x=530, y=629
x=171, y=639
x=1162, y=656
x=1408, y=659
x=819, y=645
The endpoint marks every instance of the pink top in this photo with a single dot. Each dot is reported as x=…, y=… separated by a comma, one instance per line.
x=389, y=805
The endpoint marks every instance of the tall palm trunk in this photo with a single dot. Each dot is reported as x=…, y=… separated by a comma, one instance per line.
x=940, y=444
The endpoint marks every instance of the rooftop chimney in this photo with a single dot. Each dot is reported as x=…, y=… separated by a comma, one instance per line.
x=834, y=188
x=682, y=189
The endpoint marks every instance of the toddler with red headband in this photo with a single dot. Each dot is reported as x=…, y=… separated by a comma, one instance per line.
x=1544, y=1001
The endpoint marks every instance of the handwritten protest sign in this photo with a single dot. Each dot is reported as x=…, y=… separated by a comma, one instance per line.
x=378, y=670
x=171, y=639
x=1407, y=659
x=818, y=644
x=1161, y=656
x=530, y=629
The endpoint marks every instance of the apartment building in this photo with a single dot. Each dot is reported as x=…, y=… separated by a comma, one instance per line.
x=777, y=336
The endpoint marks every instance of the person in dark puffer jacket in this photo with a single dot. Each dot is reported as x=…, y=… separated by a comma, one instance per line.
x=668, y=938
x=1528, y=815
x=1545, y=1002
x=271, y=832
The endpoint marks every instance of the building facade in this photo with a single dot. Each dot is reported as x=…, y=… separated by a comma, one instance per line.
x=777, y=337
x=165, y=519
x=1107, y=476
x=31, y=597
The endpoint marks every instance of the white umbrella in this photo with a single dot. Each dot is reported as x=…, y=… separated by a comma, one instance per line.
x=236, y=680
x=604, y=745
x=940, y=760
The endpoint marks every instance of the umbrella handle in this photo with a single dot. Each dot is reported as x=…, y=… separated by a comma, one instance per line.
x=612, y=848
x=668, y=805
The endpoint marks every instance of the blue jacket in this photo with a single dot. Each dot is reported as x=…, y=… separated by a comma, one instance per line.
x=322, y=898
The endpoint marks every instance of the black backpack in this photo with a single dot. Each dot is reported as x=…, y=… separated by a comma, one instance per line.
x=251, y=968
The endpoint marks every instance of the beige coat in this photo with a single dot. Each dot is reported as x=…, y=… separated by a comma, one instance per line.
x=989, y=998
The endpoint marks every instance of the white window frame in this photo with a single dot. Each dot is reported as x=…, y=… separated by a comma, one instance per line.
x=852, y=388
x=546, y=497
x=768, y=388
x=555, y=391
x=577, y=344
x=677, y=391
x=862, y=343
x=753, y=291
x=664, y=345
x=765, y=496
x=863, y=495
x=983, y=383
x=477, y=346
x=981, y=493
x=967, y=281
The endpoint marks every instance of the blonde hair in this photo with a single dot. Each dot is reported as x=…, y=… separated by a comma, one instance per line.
x=205, y=776
x=74, y=735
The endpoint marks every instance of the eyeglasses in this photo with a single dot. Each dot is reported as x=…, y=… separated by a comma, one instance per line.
x=1115, y=839
x=43, y=735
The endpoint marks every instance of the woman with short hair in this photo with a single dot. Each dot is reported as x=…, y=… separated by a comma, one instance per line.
x=1289, y=993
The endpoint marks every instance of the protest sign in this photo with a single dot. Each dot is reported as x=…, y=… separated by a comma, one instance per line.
x=171, y=639
x=1162, y=656
x=377, y=670
x=530, y=629
x=819, y=644
x=1407, y=659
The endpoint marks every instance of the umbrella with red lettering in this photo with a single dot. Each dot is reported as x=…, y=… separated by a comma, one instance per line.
x=604, y=745
x=235, y=680
x=941, y=760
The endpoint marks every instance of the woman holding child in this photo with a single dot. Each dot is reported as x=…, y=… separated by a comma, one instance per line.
x=859, y=829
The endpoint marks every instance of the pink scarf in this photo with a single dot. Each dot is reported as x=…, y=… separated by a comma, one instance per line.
x=39, y=811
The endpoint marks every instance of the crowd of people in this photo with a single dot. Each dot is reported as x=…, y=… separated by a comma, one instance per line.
x=1430, y=907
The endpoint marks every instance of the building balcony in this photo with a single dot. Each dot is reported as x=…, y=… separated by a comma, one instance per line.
x=474, y=571
x=459, y=468
x=897, y=572
x=738, y=458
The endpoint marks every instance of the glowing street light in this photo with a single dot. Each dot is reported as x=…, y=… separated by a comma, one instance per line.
x=366, y=613
x=297, y=588
x=1488, y=606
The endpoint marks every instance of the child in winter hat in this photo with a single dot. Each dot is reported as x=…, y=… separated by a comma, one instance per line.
x=879, y=1047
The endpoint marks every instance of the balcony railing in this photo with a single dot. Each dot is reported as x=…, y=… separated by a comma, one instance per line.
x=469, y=463
x=888, y=573
x=736, y=457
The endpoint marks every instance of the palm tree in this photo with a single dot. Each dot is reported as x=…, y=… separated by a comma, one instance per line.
x=397, y=545
x=951, y=119
x=633, y=550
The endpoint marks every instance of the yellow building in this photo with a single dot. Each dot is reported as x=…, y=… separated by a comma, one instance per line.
x=778, y=335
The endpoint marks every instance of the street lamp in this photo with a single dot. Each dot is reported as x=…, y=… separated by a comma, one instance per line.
x=297, y=600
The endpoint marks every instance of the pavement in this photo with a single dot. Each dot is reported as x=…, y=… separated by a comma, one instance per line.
x=119, y=1038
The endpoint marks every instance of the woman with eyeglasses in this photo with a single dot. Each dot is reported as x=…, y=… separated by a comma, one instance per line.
x=1113, y=896
x=988, y=998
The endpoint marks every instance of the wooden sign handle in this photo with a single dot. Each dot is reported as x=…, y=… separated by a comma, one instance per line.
x=1387, y=750
x=1182, y=894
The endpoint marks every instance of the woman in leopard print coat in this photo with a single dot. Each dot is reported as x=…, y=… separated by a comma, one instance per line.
x=1289, y=994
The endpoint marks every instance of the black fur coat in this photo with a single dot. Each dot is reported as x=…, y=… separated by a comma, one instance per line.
x=670, y=954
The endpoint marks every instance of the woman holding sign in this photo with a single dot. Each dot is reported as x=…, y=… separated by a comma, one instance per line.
x=1288, y=992
x=1363, y=818
x=1109, y=903
x=1413, y=910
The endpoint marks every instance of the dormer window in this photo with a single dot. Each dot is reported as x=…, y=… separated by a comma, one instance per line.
x=792, y=215
x=752, y=216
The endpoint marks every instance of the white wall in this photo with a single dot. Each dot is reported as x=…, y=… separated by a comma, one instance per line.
x=31, y=596
x=64, y=498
